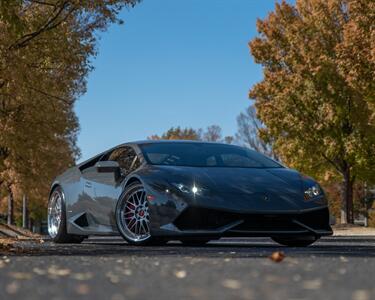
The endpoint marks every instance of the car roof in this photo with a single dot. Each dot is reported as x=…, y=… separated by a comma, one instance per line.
x=142, y=142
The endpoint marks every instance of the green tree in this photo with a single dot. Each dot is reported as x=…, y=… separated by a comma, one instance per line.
x=317, y=95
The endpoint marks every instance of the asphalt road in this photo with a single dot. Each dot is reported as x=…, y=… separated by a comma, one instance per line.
x=334, y=268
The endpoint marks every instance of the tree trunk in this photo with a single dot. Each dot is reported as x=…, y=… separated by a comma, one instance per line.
x=25, y=213
x=1, y=183
x=10, y=206
x=347, y=216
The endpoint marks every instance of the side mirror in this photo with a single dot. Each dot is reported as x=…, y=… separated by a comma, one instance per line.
x=108, y=167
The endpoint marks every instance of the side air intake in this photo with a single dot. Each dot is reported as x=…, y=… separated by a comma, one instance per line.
x=82, y=221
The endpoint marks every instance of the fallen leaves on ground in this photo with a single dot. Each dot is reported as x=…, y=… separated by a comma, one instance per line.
x=343, y=259
x=20, y=275
x=180, y=274
x=361, y=295
x=277, y=256
x=6, y=244
x=57, y=271
x=82, y=289
x=113, y=278
x=15, y=245
x=39, y=271
x=12, y=237
x=82, y=276
x=313, y=284
x=12, y=287
x=20, y=232
x=231, y=284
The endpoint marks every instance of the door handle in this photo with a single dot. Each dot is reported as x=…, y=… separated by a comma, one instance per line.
x=88, y=184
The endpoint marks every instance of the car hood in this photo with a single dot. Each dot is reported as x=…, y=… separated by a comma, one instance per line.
x=236, y=180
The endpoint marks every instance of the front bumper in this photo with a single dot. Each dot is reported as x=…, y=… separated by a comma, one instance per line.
x=208, y=222
x=218, y=215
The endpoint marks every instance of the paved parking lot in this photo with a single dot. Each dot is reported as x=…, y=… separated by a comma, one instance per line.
x=333, y=268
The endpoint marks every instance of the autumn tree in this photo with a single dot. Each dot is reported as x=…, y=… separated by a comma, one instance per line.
x=317, y=95
x=229, y=139
x=45, y=52
x=212, y=133
x=178, y=133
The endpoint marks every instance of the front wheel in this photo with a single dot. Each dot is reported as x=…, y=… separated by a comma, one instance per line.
x=132, y=215
x=57, y=219
x=295, y=241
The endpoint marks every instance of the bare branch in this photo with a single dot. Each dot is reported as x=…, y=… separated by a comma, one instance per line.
x=43, y=3
x=66, y=101
x=49, y=25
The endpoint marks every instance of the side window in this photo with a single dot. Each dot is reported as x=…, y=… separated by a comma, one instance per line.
x=89, y=164
x=126, y=158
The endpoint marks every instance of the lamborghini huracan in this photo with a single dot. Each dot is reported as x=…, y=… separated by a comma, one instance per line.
x=151, y=192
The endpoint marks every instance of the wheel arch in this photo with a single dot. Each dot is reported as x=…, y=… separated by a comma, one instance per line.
x=131, y=180
x=54, y=185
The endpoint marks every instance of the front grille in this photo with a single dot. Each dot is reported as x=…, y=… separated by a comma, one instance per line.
x=317, y=219
x=266, y=222
x=194, y=218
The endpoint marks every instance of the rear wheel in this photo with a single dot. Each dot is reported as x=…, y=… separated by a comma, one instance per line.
x=57, y=219
x=132, y=216
x=296, y=241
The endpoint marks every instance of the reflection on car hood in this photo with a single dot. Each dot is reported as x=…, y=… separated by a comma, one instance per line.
x=235, y=180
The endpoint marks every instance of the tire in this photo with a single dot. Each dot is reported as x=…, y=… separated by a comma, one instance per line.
x=57, y=230
x=296, y=242
x=132, y=217
x=195, y=242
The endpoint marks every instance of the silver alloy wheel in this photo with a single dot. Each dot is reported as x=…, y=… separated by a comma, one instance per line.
x=134, y=216
x=54, y=213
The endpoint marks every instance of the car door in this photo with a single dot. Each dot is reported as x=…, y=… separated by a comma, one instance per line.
x=92, y=182
x=107, y=188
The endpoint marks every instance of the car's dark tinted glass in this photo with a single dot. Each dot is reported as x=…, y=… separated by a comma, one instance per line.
x=126, y=158
x=204, y=155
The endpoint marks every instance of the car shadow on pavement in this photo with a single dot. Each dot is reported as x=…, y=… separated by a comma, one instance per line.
x=236, y=248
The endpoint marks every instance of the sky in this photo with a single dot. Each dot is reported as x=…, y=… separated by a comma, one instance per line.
x=173, y=63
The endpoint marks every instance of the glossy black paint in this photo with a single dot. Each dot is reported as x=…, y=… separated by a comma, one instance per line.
x=232, y=201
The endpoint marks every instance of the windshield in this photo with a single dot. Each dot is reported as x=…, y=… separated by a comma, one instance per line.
x=204, y=155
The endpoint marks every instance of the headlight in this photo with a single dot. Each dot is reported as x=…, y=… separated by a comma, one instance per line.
x=312, y=192
x=194, y=190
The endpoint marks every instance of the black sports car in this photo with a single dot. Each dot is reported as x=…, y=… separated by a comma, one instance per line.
x=154, y=191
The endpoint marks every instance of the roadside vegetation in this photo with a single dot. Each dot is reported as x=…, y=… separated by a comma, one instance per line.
x=46, y=48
